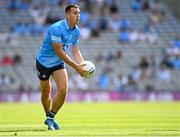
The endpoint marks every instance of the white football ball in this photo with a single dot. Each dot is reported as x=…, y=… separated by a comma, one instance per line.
x=90, y=67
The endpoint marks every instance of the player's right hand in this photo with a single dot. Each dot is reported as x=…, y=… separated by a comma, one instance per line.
x=80, y=70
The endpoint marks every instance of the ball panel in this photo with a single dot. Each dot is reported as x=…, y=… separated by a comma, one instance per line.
x=90, y=67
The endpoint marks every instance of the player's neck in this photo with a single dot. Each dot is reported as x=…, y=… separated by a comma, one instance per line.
x=71, y=25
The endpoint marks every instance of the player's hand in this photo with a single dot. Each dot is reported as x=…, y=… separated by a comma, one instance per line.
x=79, y=69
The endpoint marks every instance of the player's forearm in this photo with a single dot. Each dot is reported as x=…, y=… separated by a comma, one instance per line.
x=79, y=57
x=77, y=54
x=66, y=59
x=59, y=51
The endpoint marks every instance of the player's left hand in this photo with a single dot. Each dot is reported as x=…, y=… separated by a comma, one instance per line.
x=81, y=71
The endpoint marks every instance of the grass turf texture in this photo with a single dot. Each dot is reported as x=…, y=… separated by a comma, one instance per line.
x=94, y=119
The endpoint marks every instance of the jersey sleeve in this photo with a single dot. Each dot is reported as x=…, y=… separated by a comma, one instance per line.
x=55, y=34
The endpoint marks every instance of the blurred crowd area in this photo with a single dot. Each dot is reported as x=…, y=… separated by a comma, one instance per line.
x=135, y=44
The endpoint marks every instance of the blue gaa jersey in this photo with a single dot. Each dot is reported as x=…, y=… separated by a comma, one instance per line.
x=59, y=32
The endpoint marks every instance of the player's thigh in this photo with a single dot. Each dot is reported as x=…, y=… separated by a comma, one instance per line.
x=61, y=79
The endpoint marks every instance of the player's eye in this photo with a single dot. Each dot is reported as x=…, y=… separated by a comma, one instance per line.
x=77, y=13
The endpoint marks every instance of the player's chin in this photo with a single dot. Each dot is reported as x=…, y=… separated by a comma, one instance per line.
x=77, y=21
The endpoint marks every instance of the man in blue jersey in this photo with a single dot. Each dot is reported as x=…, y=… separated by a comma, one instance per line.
x=51, y=58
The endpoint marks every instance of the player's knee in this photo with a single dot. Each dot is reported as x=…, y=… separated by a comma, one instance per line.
x=63, y=89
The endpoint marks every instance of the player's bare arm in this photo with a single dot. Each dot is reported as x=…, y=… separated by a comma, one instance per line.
x=77, y=54
x=68, y=60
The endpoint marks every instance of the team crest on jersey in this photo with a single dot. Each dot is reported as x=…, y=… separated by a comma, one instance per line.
x=75, y=37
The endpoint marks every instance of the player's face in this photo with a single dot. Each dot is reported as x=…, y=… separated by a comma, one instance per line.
x=74, y=15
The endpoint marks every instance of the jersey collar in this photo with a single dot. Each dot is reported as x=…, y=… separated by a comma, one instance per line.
x=67, y=25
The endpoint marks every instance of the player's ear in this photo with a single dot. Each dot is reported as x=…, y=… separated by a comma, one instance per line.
x=67, y=15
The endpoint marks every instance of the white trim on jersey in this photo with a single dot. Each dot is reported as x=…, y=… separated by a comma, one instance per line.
x=55, y=38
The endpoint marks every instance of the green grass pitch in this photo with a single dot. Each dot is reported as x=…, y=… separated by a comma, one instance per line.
x=108, y=119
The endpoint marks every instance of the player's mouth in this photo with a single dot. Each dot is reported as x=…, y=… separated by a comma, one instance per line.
x=78, y=20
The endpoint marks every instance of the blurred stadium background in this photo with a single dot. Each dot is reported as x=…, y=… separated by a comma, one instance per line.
x=135, y=45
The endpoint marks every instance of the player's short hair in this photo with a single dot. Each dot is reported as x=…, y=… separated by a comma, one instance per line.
x=68, y=8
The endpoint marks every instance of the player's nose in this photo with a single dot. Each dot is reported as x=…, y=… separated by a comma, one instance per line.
x=78, y=16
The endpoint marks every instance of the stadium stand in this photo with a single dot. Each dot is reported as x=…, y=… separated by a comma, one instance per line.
x=133, y=33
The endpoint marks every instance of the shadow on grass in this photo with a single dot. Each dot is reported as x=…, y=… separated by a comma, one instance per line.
x=22, y=130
